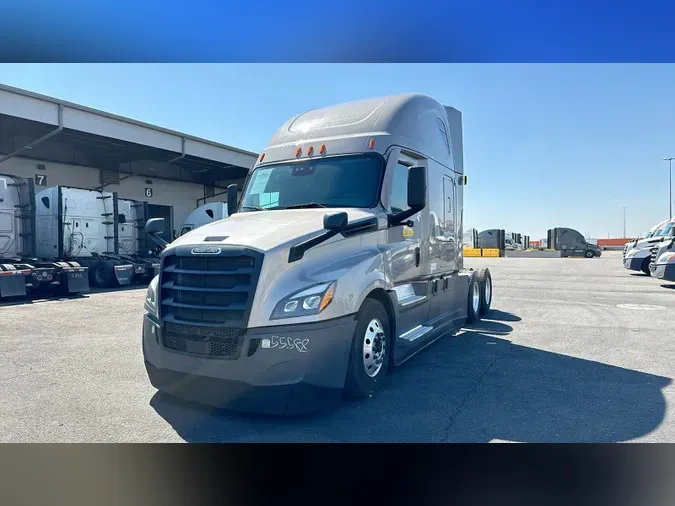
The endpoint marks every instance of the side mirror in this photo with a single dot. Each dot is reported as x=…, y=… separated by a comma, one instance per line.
x=417, y=188
x=154, y=226
x=231, y=199
x=335, y=222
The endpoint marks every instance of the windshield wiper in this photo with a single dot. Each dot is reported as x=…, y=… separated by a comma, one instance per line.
x=307, y=205
x=255, y=208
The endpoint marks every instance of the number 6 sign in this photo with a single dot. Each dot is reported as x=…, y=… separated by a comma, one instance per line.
x=148, y=192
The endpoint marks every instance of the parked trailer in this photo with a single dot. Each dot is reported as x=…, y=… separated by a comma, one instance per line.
x=638, y=254
x=22, y=268
x=571, y=243
x=328, y=272
x=90, y=227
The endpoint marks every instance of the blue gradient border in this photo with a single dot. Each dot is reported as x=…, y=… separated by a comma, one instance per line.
x=344, y=31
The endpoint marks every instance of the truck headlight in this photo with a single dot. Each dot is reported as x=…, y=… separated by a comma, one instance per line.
x=309, y=301
x=151, y=297
x=631, y=253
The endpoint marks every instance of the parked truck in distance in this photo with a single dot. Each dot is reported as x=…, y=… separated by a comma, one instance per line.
x=24, y=269
x=571, y=243
x=339, y=262
x=638, y=256
x=98, y=230
x=662, y=257
x=493, y=238
x=207, y=213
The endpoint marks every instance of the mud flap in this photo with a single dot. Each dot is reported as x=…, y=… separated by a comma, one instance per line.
x=124, y=274
x=13, y=285
x=75, y=280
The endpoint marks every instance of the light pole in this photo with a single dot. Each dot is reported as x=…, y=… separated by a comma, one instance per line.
x=624, y=220
x=670, y=186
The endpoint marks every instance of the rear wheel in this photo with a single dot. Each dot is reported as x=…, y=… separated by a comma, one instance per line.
x=473, y=301
x=369, y=356
x=485, y=280
x=102, y=274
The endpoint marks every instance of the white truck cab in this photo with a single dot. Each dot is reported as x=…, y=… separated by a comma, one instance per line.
x=662, y=256
x=207, y=213
x=638, y=255
x=341, y=259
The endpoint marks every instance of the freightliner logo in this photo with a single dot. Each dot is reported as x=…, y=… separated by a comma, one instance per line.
x=206, y=251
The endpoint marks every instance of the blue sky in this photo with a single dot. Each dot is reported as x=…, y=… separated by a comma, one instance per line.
x=545, y=145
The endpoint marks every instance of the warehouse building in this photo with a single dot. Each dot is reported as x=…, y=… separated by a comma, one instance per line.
x=61, y=143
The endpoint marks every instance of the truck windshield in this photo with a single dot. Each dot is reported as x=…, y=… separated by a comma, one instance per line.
x=348, y=181
x=665, y=231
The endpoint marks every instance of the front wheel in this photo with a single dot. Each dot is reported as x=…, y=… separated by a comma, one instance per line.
x=645, y=266
x=369, y=356
x=589, y=254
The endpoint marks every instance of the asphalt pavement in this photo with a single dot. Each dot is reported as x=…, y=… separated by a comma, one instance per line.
x=573, y=350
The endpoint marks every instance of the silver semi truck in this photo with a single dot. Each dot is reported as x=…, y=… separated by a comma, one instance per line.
x=23, y=269
x=341, y=259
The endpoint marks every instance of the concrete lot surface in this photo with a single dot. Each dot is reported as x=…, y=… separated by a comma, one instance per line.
x=573, y=350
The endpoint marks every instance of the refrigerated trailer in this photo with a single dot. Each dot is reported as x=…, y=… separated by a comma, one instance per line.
x=341, y=260
x=97, y=229
x=22, y=268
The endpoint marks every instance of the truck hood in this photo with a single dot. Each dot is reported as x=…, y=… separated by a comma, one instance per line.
x=264, y=230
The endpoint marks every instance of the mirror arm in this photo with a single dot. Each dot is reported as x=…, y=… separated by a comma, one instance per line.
x=397, y=219
x=158, y=240
x=298, y=251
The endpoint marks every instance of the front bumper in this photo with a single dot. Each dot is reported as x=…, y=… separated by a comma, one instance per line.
x=633, y=263
x=273, y=378
x=663, y=271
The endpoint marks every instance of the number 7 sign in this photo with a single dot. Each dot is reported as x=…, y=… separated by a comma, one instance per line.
x=40, y=180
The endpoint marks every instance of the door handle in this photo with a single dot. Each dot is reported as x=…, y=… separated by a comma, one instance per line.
x=417, y=256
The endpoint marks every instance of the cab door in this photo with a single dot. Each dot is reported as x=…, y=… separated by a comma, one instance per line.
x=407, y=261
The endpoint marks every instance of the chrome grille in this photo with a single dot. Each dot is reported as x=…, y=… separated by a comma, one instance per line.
x=653, y=252
x=213, y=290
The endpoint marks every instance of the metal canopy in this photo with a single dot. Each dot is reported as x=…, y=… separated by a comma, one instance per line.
x=73, y=147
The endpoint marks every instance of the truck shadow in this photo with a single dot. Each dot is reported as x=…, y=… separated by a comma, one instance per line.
x=475, y=386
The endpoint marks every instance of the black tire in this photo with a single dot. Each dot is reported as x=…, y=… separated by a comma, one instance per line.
x=645, y=266
x=589, y=253
x=473, y=313
x=485, y=280
x=358, y=382
x=102, y=274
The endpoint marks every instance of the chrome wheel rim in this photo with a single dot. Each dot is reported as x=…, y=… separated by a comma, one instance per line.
x=374, y=347
x=488, y=290
x=475, y=302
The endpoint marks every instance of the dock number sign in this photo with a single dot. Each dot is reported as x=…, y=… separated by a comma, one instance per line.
x=40, y=180
x=148, y=192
